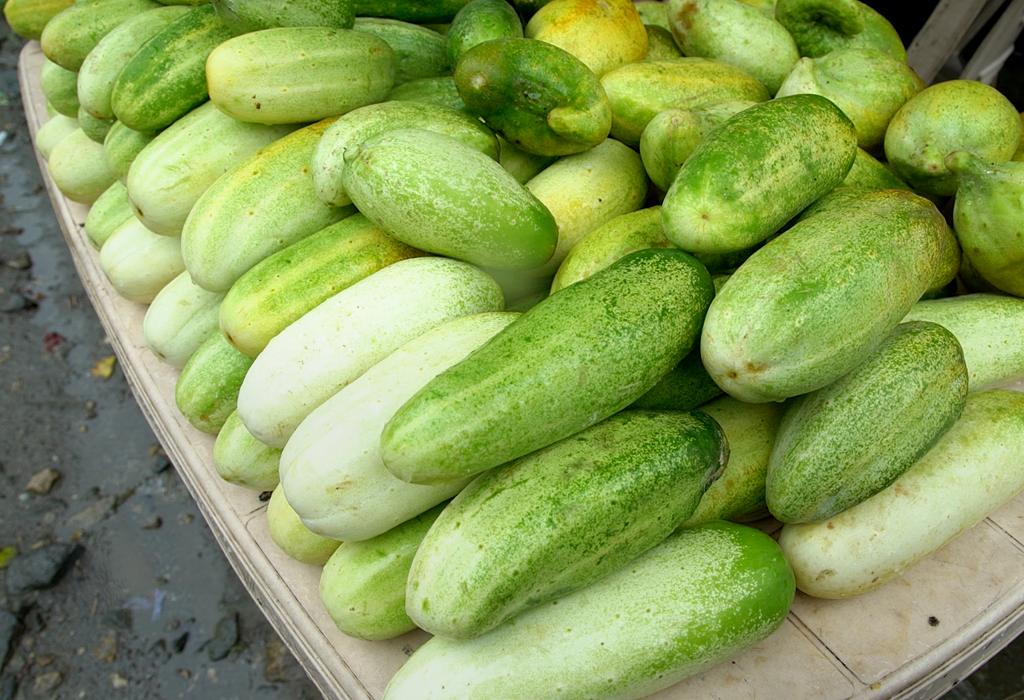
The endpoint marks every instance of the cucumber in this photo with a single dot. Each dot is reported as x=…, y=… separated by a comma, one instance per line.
x=436, y=91
x=169, y=175
x=292, y=537
x=291, y=75
x=685, y=387
x=653, y=13
x=842, y=444
x=660, y=44
x=410, y=10
x=868, y=172
x=480, y=21
x=560, y=518
x=363, y=583
x=123, y=145
x=352, y=129
x=520, y=164
x=243, y=460
x=79, y=168
x=53, y=132
x=263, y=205
x=207, y=388
x=283, y=287
x=778, y=330
x=738, y=494
x=434, y=193
x=60, y=86
x=757, y=171
x=823, y=26
x=166, y=78
x=576, y=358
x=586, y=190
x=139, y=263
x=638, y=91
x=96, y=129
x=419, y=52
x=180, y=318
x=72, y=33
x=252, y=15
x=107, y=214
x=105, y=62
x=331, y=467
x=693, y=601
x=989, y=329
x=602, y=35
x=972, y=471
x=328, y=348
x=28, y=18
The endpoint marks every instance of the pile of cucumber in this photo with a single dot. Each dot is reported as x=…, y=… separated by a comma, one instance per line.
x=519, y=308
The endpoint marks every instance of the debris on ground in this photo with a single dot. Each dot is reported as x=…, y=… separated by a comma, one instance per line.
x=10, y=628
x=104, y=368
x=46, y=683
x=225, y=637
x=42, y=481
x=41, y=568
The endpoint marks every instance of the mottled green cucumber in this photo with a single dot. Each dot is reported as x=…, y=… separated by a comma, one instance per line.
x=705, y=594
x=107, y=214
x=868, y=172
x=139, y=263
x=480, y=21
x=436, y=194
x=60, y=86
x=207, y=388
x=758, y=170
x=122, y=146
x=53, y=132
x=410, y=10
x=292, y=537
x=684, y=388
x=243, y=460
x=181, y=317
x=96, y=129
x=660, y=44
x=252, y=15
x=79, y=169
x=28, y=18
x=284, y=286
x=653, y=12
x=71, y=34
x=576, y=358
x=292, y=75
x=419, y=52
x=823, y=26
x=602, y=35
x=520, y=164
x=435, y=91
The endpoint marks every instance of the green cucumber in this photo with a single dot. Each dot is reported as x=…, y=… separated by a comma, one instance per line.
x=332, y=345
x=284, y=286
x=107, y=214
x=480, y=21
x=823, y=26
x=169, y=175
x=576, y=358
x=53, y=132
x=139, y=263
x=96, y=129
x=520, y=164
x=262, y=205
x=410, y=10
x=363, y=583
x=556, y=520
x=842, y=444
x=71, y=34
x=436, y=91
x=419, y=52
x=292, y=537
x=243, y=460
x=989, y=329
x=180, y=318
x=685, y=387
x=253, y=15
x=60, y=86
x=122, y=146
x=28, y=18
x=660, y=44
x=698, y=598
x=79, y=168
x=207, y=388
x=166, y=78
x=867, y=172
x=778, y=330
x=653, y=12
x=354, y=128
x=331, y=467
x=973, y=470
x=602, y=35
x=434, y=193
x=292, y=75
x=757, y=171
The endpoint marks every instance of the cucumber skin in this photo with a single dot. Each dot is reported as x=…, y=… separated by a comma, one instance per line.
x=634, y=632
x=138, y=263
x=72, y=33
x=480, y=21
x=207, y=388
x=576, y=358
x=556, y=520
x=869, y=172
x=52, y=132
x=362, y=585
x=436, y=91
x=823, y=26
x=166, y=78
x=253, y=15
x=96, y=129
x=243, y=460
x=603, y=35
x=107, y=214
x=59, y=85
x=972, y=471
x=181, y=317
x=282, y=288
x=122, y=146
x=292, y=537
x=685, y=387
x=28, y=18
x=410, y=10
x=79, y=169
x=757, y=171
x=419, y=52
x=842, y=444
x=777, y=330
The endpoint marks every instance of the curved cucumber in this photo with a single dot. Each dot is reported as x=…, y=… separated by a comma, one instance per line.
x=419, y=52
x=96, y=129
x=252, y=15
x=292, y=537
x=480, y=21
x=122, y=146
x=823, y=26
x=107, y=214
x=207, y=388
x=603, y=35
x=60, y=86
x=684, y=388
x=72, y=33
x=139, y=263
x=180, y=318
x=53, y=132
x=79, y=168
x=243, y=460
x=28, y=18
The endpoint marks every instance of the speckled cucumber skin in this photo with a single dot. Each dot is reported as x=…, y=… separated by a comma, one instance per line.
x=542, y=99
x=558, y=519
x=169, y=175
x=139, y=263
x=254, y=15
x=166, y=78
x=28, y=17
x=653, y=12
x=436, y=91
x=520, y=164
x=432, y=192
x=280, y=289
x=603, y=35
x=207, y=388
x=410, y=10
x=868, y=85
x=419, y=52
x=60, y=86
x=1019, y=155
x=123, y=145
x=332, y=345
x=957, y=115
x=757, y=171
x=331, y=467
x=363, y=583
x=181, y=317
x=352, y=129
x=292, y=537
x=699, y=597
x=684, y=388
x=104, y=63
x=638, y=91
x=660, y=44
x=734, y=33
x=822, y=26
x=576, y=358
x=842, y=444
x=96, y=129
x=53, y=132
x=974, y=469
x=243, y=460
x=586, y=190
x=262, y=205
x=71, y=34
x=79, y=169
x=107, y=214
x=738, y=494
x=868, y=172
x=779, y=329
x=480, y=21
